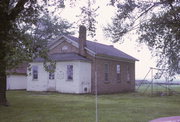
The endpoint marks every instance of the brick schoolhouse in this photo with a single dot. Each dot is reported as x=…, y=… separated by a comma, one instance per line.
x=79, y=64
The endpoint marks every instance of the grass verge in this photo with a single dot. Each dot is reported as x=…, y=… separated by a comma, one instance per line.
x=56, y=107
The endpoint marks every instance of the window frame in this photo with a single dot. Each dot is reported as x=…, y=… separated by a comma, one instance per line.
x=118, y=73
x=128, y=75
x=64, y=48
x=51, y=75
x=106, y=72
x=35, y=75
x=51, y=72
x=70, y=74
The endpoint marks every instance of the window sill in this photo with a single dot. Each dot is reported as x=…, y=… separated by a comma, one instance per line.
x=129, y=82
x=69, y=80
x=51, y=79
x=107, y=82
x=34, y=79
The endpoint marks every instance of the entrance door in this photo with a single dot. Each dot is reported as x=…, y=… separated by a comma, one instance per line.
x=51, y=82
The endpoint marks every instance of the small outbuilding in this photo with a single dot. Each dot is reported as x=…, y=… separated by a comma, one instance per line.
x=17, y=78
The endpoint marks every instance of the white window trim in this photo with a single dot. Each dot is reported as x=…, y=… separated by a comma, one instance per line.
x=118, y=72
x=106, y=72
x=128, y=74
x=51, y=75
x=67, y=79
x=35, y=79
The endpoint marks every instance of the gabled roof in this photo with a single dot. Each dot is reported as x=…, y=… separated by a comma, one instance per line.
x=63, y=57
x=102, y=49
x=20, y=70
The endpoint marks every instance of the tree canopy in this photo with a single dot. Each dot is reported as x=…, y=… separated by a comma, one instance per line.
x=25, y=28
x=157, y=24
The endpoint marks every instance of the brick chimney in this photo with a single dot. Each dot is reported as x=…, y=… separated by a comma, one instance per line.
x=82, y=40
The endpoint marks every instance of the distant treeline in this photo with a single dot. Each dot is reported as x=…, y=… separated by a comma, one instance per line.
x=155, y=82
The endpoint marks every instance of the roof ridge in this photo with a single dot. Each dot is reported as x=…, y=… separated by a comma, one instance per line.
x=104, y=49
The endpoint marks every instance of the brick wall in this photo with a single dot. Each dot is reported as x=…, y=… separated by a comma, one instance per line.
x=114, y=85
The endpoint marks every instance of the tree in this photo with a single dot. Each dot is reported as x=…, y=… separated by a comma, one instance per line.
x=158, y=25
x=21, y=37
x=50, y=27
x=9, y=12
x=88, y=17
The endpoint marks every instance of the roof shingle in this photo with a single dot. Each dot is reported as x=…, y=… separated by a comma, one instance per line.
x=103, y=49
x=63, y=57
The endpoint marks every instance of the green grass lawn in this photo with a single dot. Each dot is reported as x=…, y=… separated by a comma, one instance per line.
x=56, y=107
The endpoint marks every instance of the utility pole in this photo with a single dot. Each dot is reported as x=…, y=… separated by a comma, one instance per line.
x=96, y=84
x=152, y=81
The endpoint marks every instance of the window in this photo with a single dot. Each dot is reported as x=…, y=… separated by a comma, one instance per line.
x=35, y=72
x=64, y=48
x=51, y=75
x=51, y=72
x=128, y=73
x=118, y=71
x=106, y=72
x=69, y=72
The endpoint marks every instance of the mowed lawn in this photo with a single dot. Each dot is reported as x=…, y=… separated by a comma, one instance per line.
x=56, y=107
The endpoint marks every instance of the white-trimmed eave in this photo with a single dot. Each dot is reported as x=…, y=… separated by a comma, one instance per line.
x=115, y=58
x=74, y=43
x=92, y=53
x=60, y=40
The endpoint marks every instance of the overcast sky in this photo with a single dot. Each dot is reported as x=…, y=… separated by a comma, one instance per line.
x=130, y=46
